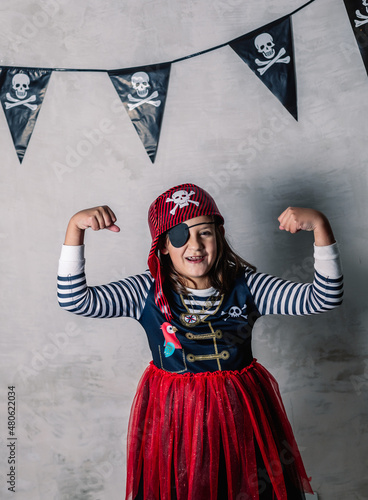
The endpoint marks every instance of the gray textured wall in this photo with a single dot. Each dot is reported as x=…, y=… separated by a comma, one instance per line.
x=75, y=377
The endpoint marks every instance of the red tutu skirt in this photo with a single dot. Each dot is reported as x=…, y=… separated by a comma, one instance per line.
x=191, y=434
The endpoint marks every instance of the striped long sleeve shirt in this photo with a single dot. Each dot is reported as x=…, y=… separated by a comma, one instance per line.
x=205, y=313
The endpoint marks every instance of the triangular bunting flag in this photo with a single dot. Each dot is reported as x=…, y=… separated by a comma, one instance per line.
x=358, y=14
x=269, y=53
x=143, y=92
x=22, y=92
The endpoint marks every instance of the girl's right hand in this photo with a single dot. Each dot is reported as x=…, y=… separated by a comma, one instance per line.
x=95, y=218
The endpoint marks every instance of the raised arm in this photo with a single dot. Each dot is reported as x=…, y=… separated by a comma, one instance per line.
x=274, y=295
x=125, y=297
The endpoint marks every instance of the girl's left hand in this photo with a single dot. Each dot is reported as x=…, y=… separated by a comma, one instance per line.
x=295, y=219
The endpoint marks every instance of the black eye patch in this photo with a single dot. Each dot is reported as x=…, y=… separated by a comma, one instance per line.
x=179, y=235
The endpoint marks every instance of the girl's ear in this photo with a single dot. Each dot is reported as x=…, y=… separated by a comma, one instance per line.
x=163, y=246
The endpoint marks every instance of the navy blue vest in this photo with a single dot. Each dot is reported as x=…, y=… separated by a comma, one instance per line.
x=198, y=343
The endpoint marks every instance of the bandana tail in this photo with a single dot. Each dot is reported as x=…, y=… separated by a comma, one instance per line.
x=160, y=299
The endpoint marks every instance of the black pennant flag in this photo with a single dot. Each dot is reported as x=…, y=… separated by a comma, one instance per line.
x=269, y=53
x=22, y=92
x=358, y=14
x=143, y=92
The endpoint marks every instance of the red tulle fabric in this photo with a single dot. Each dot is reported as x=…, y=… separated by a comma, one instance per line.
x=181, y=423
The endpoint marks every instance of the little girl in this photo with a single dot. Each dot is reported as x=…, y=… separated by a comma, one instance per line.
x=207, y=421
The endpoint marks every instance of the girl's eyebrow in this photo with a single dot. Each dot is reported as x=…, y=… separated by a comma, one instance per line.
x=201, y=224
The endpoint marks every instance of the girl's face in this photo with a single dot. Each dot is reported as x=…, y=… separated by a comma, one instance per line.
x=196, y=257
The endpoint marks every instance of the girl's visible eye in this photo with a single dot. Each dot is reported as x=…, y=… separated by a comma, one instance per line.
x=206, y=232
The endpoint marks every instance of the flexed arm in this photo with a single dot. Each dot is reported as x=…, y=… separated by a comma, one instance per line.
x=125, y=297
x=274, y=295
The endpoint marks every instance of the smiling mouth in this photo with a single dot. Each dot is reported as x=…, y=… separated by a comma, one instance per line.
x=195, y=259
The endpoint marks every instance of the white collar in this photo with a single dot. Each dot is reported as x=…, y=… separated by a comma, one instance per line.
x=204, y=292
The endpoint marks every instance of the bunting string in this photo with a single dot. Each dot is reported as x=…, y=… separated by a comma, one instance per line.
x=180, y=59
x=268, y=51
x=235, y=39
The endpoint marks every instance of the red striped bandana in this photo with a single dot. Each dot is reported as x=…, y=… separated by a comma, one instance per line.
x=176, y=205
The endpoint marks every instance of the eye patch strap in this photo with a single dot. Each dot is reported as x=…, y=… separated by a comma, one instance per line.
x=179, y=234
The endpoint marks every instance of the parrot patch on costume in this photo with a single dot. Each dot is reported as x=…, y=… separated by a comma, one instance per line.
x=171, y=342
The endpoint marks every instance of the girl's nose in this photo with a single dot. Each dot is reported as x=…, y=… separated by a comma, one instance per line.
x=194, y=240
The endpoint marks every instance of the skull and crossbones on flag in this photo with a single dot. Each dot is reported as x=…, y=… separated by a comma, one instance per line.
x=140, y=83
x=20, y=86
x=143, y=90
x=363, y=19
x=22, y=91
x=269, y=53
x=265, y=46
